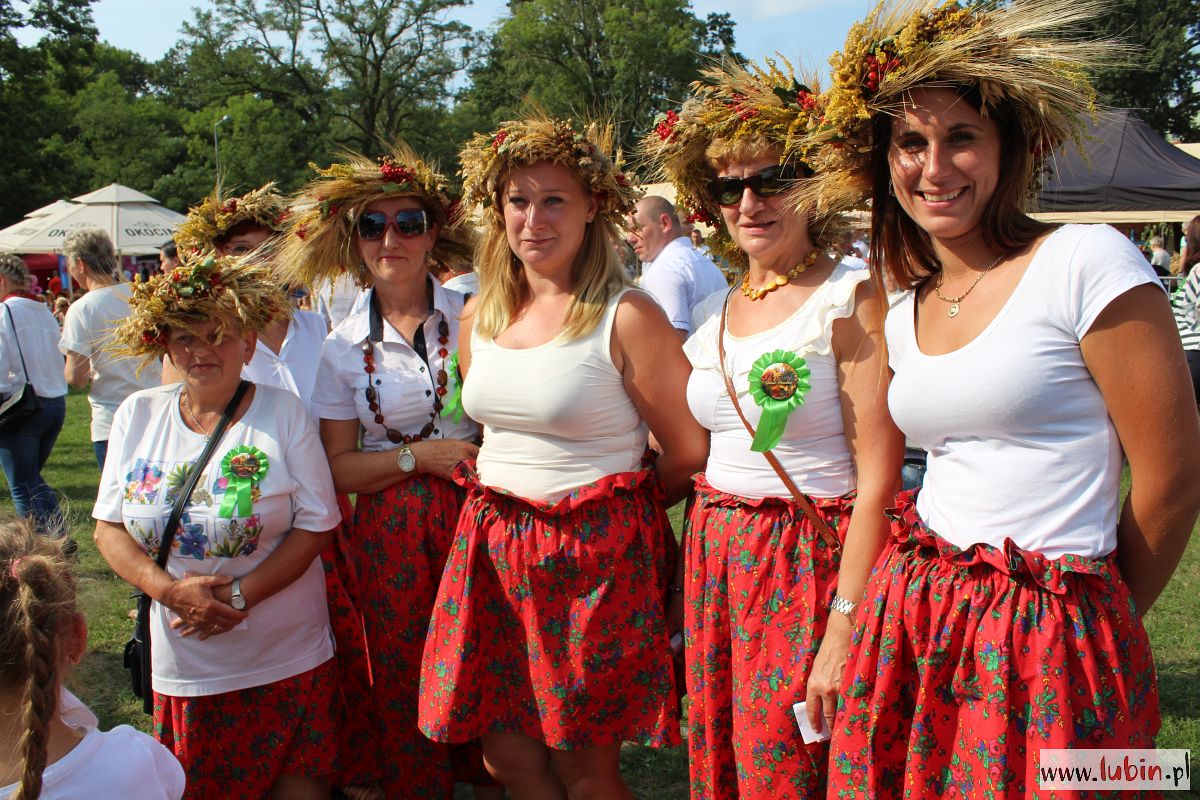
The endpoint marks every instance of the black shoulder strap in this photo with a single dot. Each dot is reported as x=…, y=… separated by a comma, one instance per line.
x=164, y=550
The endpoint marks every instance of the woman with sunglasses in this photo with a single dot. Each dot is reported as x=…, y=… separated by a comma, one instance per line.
x=1030, y=361
x=776, y=553
x=386, y=395
x=286, y=353
x=549, y=637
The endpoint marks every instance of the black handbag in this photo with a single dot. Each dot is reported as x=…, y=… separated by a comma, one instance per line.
x=23, y=402
x=137, y=649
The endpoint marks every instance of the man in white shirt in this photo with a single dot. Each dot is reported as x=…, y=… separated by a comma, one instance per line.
x=675, y=274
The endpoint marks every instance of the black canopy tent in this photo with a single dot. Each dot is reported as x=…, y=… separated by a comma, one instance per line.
x=1127, y=168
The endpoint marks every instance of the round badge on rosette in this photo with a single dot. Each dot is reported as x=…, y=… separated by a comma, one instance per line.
x=778, y=384
x=243, y=466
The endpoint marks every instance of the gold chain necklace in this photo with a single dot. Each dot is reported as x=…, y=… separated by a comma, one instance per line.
x=187, y=406
x=782, y=280
x=954, y=301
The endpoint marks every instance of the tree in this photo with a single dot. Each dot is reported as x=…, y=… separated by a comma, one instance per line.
x=1162, y=82
x=374, y=69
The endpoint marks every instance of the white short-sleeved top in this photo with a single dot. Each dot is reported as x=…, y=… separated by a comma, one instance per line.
x=404, y=382
x=294, y=367
x=123, y=763
x=149, y=454
x=679, y=278
x=88, y=331
x=1019, y=439
x=813, y=449
x=29, y=333
x=555, y=417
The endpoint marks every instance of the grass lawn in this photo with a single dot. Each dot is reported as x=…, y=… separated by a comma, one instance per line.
x=1174, y=625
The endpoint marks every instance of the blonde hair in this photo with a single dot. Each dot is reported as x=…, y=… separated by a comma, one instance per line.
x=597, y=276
x=37, y=590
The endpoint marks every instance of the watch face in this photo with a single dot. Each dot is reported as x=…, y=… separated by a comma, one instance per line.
x=407, y=461
x=238, y=602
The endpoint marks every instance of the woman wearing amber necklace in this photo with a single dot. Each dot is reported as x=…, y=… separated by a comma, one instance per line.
x=1030, y=361
x=772, y=575
x=387, y=397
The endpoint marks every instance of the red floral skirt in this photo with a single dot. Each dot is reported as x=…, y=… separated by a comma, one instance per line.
x=237, y=744
x=382, y=577
x=965, y=663
x=757, y=589
x=549, y=620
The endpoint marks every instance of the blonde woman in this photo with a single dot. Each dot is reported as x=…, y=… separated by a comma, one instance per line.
x=549, y=637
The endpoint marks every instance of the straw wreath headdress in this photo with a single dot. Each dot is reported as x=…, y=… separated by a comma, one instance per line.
x=1028, y=54
x=229, y=289
x=731, y=102
x=590, y=153
x=214, y=217
x=319, y=242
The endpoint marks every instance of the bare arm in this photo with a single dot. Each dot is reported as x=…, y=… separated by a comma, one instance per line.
x=78, y=370
x=191, y=599
x=649, y=354
x=877, y=447
x=1132, y=351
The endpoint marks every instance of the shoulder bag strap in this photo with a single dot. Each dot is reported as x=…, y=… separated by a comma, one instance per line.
x=17, y=339
x=164, y=550
x=819, y=524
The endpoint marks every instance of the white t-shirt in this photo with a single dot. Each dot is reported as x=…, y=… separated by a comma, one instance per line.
x=294, y=367
x=334, y=300
x=122, y=763
x=1019, y=439
x=88, y=331
x=30, y=325
x=405, y=384
x=813, y=449
x=149, y=453
x=679, y=278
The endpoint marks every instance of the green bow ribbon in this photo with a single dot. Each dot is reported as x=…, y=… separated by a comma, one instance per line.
x=243, y=467
x=453, y=402
x=778, y=383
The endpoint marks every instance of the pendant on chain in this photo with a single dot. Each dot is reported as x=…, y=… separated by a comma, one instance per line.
x=953, y=312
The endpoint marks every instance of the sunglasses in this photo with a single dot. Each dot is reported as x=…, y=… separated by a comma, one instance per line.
x=766, y=183
x=410, y=222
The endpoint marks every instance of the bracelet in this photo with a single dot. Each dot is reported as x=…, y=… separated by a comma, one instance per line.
x=843, y=606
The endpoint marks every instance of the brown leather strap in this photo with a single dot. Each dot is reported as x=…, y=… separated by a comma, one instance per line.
x=818, y=523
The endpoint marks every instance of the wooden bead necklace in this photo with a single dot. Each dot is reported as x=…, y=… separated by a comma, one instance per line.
x=782, y=280
x=373, y=400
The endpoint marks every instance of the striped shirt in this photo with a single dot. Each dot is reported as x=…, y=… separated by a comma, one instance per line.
x=1187, y=316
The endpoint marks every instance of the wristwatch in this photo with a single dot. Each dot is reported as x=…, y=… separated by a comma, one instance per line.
x=237, y=599
x=405, y=459
x=842, y=606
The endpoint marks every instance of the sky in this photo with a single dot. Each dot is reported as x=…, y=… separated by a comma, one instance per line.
x=805, y=31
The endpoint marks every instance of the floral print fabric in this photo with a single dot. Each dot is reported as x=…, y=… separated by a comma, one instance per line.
x=966, y=663
x=549, y=620
x=237, y=744
x=757, y=588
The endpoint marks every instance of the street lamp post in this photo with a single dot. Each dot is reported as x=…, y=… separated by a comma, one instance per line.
x=217, y=150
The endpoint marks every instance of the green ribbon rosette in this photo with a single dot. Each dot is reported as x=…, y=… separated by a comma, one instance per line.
x=453, y=402
x=778, y=383
x=244, y=467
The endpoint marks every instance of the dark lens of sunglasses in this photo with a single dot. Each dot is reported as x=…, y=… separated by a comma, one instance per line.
x=372, y=224
x=410, y=222
x=768, y=183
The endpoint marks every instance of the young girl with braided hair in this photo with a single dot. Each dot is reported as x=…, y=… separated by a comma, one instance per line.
x=42, y=754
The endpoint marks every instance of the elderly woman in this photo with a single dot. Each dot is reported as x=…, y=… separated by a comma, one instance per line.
x=386, y=397
x=549, y=638
x=1030, y=361
x=287, y=351
x=28, y=334
x=241, y=644
x=790, y=380
x=87, y=333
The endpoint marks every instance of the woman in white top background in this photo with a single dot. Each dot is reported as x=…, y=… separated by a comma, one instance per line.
x=391, y=423
x=1030, y=361
x=549, y=636
x=769, y=591
x=29, y=353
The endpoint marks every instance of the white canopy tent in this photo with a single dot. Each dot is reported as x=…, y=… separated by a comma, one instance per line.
x=137, y=223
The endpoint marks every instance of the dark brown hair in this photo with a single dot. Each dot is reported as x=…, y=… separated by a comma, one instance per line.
x=1192, y=232
x=902, y=254
x=37, y=595
x=245, y=226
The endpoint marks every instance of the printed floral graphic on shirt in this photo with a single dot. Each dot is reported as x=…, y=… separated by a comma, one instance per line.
x=143, y=482
x=146, y=534
x=241, y=537
x=177, y=477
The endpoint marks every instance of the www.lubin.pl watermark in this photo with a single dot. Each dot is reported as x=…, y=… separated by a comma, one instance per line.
x=1115, y=769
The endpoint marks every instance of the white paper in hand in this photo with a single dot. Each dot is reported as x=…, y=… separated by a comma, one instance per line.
x=807, y=733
